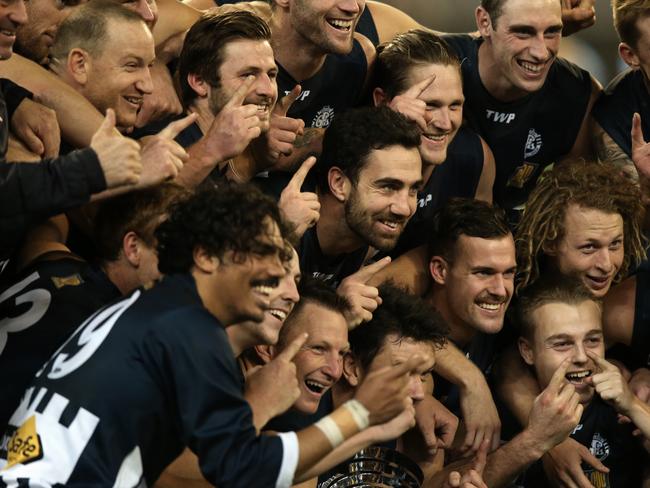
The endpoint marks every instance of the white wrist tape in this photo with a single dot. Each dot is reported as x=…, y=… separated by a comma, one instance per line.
x=359, y=413
x=331, y=430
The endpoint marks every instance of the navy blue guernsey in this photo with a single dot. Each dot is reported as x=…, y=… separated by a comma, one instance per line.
x=136, y=383
x=640, y=345
x=528, y=134
x=330, y=269
x=458, y=176
x=336, y=87
x=614, y=109
x=39, y=311
x=610, y=442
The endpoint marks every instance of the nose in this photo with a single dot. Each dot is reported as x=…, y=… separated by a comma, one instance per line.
x=403, y=203
x=352, y=6
x=416, y=390
x=498, y=286
x=604, y=260
x=145, y=84
x=17, y=12
x=334, y=366
x=265, y=86
x=537, y=48
x=441, y=119
x=579, y=354
x=290, y=292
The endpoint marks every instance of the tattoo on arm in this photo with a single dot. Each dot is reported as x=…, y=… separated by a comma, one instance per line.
x=307, y=137
x=610, y=152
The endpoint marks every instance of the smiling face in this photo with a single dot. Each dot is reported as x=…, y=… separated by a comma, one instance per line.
x=242, y=58
x=327, y=24
x=384, y=197
x=444, y=98
x=477, y=284
x=564, y=331
x=119, y=76
x=34, y=39
x=319, y=363
x=592, y=247
x=12, y=16
x=521, y=45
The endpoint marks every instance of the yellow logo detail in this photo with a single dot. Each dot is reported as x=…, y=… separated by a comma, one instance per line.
x=72, y=280
x=521, y=175
x=24, y=445
x=598, y=479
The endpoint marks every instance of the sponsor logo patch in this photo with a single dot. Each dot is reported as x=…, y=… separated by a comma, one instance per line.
x=24, y=446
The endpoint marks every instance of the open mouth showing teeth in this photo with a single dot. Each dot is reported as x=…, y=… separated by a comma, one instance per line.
x=134, y=100
x=281, y=315
x=577, y=376
x=262, y=108
x=342, y=25
x=390, y=224
x=315, y=387
x=8, y=33
x=489, y=306
x=435, y=138
x=531, y=67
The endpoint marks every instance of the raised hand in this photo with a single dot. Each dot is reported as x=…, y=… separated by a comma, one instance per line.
x=410, y=104
x=364, y=298
x=118, y=156
x=302, y=209
x=283, y=130
x=577, y=15
x=162, y=157
x=610, y=384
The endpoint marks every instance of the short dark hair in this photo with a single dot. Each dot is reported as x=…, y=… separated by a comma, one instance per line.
x=626, y=14
x=547, y=290
x=205, y=42
x=464, y=216
x=87, y=28
x=415, y=47
x=218, y=220
x=400, y=314
x=139, y=211
x=317, y=292
x=355, y=133
x=494, y=8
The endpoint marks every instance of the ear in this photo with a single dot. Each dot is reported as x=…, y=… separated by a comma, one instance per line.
x=265, y=353
x=351, y=371
x=131, y=248
x=204, y=261
x=379, y=97
x=198, y=84
x=79, y=65
x=438, y=268
x=628, y=55
x=483, y=22
x=526, y=351
x=339, y=184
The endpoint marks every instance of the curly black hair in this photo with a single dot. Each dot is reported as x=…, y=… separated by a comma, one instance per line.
x=219, y=220
x=401, y=314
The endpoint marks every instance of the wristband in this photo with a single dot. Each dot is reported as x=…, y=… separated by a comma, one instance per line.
x=359, y=413
x=329, y=427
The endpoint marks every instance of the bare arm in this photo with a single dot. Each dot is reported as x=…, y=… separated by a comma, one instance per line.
x=607, y=151
x=583, y=145
x=486, y=182
x=618, y=312
x=410, y=270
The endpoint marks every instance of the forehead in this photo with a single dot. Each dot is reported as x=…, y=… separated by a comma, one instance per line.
x=394, y=162
x=574, y=320
x=129, y=38
x=582, y=223
x=447, y=85
x=322, y=324
x=537, y=13
x=245, y=53
x=399, y=350
x=497, y=253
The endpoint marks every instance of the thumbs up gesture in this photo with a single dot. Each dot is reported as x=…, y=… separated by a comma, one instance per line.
x=118, y=156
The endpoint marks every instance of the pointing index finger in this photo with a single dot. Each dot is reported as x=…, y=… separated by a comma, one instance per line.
x=239, y=96
x=177, y=126
x=367, y=272
x=637, y=132
x=292, y=349
x=416, y=90
x=558, y=377
x=283, y=106
x=601, y=362
x=299, y=176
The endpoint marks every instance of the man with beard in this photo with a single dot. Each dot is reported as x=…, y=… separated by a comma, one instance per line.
x=367, y=177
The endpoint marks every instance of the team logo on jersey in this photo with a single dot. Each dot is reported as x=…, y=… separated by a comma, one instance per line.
x=72, y=280
x=501, y=117
x=323, y=117
x=599, y=446
x=533, y=144
x=423, y=202
x=522, y=174
x=24, y=446
x=302, y=97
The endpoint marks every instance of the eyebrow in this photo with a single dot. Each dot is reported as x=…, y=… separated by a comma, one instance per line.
x=556, y=337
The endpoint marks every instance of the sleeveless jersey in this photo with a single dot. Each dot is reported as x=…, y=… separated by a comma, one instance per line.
x=640, y=346
x=136, y=383
x=613, y=110
x=458, y=176
x=43, y=306
x=528, y=134
x=337, y=87
x=330, y=269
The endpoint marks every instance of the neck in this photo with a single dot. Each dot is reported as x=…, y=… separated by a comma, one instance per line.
x=238, y=340
x=209, y=294
x=334, y=235
x=122, y=275
x=205, y=115
x=492, y=78
x=459, y=332
x=297, y=55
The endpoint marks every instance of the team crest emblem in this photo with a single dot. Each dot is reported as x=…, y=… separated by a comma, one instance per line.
x=521, y=175
x=323, y=117
x=533, y=144
x=599, y=447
